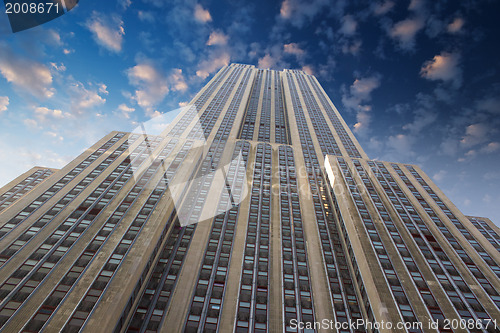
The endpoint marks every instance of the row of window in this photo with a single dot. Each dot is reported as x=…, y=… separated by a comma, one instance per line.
x=458, y=292
x=296, y=285
x=23, y=187
x=265, y=114
x=345, y=303
x=79, y=225
x=184, y=122
x=323, y=133
x=390, y=274
x=155, y=298
x=337, y=124
x=491, y=235
x=253, y=302
x=173, y=257
x=208, y=118
x=159, y=277
x=282, y=128
x=38, y=202
x=351, y=256
x=32, y=272
x=94, y=294
x=50, y=214
x=408, y=260
x=206, y=302
x=469, y=263
x=227, y=122
x=248, y=124
x=456, y=222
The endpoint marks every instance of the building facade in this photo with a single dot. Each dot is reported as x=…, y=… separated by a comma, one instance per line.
x=255, y=210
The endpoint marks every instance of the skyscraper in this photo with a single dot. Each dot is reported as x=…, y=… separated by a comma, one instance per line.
x=255, y=210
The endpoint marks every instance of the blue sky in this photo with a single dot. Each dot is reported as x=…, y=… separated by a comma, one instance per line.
x=417, y=81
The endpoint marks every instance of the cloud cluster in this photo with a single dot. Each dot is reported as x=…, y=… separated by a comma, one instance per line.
x=404, y=32
x=107, y=32
x=293, y=48
x=201, y=14
x=217, y=38
x=152, y=85
x=382, y=8
x=475, y=134
x=4, y=102
x=27, y=75
x=84, y=98
x=349, y=26
x=43, y=112
x=443, y=67
x=355, y=99
x=299, y=12
x=125, y=110
x=360, y=91
x=215, y=61
x=456, y=26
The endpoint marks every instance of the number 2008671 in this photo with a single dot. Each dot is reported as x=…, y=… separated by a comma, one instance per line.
x=31, y=8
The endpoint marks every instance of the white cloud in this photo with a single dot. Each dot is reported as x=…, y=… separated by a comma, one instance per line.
x=293, y=48
x=298, y=12
x=42, y=113
x=31, y=123
x=217, y=38
x=151, y=84
x=439, y=176
x=491, y=147
x=107, y=32
x=443, y=67
x=401, y=144
x=103, y=89
x=308, y=69
x=363, y=119
x=125, y=3
x=85, y=98
x=177, y=80
x=352, y=47
x=4, y=102
x=267, y=61
x=125, y=110
x=416, y=5
x=146, y=16
x=53, y=37
x=349, y=26
x=382, y=8
x=214, y=62
x=475, y=134
x=456, y=26
x=423, y=118
x=55, y=136
x=274, y=54
x=404, y=32
x=201, y=14
x=25, y=74
x=22, y=158
x=449, y=146
x=360, y=93
x=489, y=104
x=59, y=68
